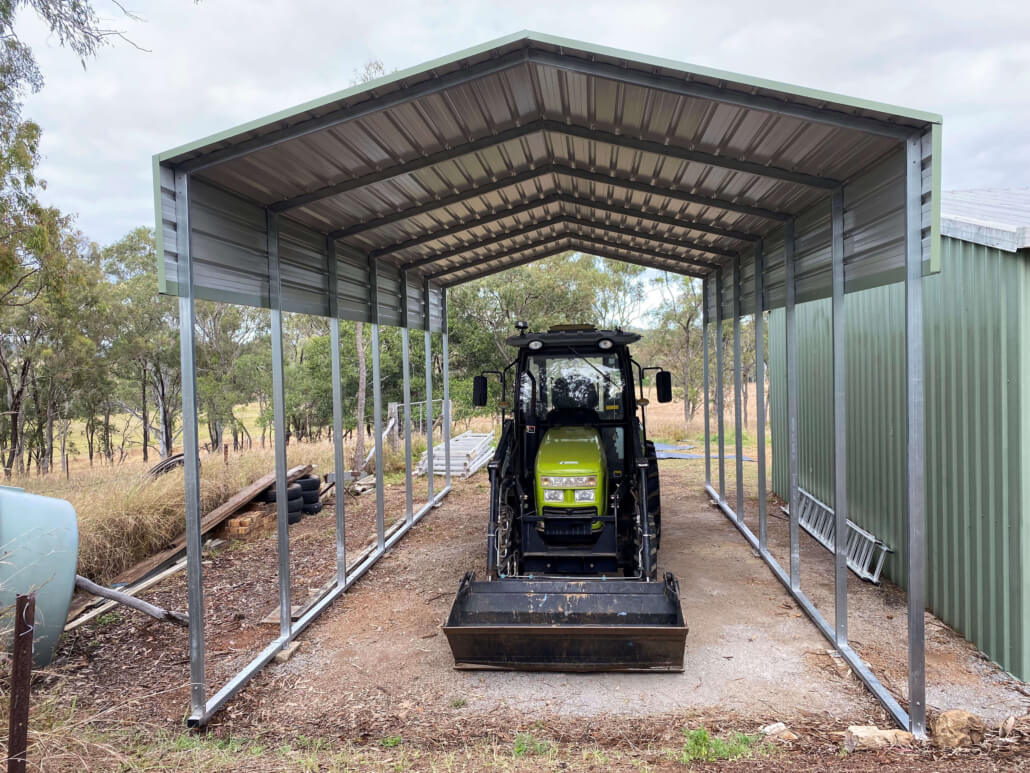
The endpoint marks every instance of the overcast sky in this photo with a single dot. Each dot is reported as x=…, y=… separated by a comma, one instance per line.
x=218, y=63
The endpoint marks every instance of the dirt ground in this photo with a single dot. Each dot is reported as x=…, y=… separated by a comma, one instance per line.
x=376, y=665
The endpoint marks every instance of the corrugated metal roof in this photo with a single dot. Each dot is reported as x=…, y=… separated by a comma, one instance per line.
x=467, y=162
x=994, y=217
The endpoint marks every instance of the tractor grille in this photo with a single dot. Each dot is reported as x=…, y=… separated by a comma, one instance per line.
x=570, y=512
x=569, y=521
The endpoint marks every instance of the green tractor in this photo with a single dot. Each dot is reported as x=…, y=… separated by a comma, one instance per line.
x=575, y=520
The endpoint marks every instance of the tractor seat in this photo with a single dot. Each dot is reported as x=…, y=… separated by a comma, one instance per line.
x=573, y=403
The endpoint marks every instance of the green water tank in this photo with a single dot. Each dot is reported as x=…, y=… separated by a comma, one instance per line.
x=39, y=551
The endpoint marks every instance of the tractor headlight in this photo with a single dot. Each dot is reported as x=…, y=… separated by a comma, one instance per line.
x=535, y=344
x=554, y=495
x=585, y=495
x=605, y=344
x=569, y=481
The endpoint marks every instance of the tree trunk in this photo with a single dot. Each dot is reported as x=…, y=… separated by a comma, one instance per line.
x=17, y=413
x=90, y=436
x=743, y=398
x=108, y=450
x=359, y=413
x=687, y=411
x=51, y=410
x=146, y=418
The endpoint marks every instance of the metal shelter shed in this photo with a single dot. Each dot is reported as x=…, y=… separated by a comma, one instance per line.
x=368, y=204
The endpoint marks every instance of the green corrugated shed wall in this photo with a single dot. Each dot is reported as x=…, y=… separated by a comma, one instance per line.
x=977, y=356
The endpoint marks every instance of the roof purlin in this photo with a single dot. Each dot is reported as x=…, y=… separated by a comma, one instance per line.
x=562, y=170
x=562, y=198
x=562, y=219
x=554, y=127
x=584, y=244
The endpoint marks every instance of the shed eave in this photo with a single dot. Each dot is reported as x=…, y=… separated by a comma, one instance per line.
x=570, y=46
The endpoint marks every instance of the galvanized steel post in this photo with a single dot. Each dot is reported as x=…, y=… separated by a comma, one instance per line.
x=279, y=414
x=377, y=403
x=338, y=460
x=915, y=484
x=430, y=472
x=446, y=390
x=190, y=444
x=705, y=286
x=840, y=420
x=759, y=264
x=738, y=405
x=720, y=411
x=791, y=336
x=409, y=509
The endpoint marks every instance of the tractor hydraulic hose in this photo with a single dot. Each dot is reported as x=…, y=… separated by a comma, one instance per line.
x=645, y=535
x=491, y=528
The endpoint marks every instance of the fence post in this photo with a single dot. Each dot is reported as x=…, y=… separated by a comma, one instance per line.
x=393, y=415
x=21, y=674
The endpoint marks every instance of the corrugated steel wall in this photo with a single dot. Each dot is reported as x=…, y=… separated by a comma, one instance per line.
x=230, y=261
x=977, y=434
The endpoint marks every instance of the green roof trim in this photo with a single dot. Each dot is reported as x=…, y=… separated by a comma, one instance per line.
x=564, y=43
x=738, y=78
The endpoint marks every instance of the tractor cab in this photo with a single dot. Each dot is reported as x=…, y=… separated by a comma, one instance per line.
x=575, y=516
x=575, y=410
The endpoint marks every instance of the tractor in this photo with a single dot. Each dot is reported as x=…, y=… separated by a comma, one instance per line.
x=575, y=522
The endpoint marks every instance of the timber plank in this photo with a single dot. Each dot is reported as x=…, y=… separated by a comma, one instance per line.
x=236, y=502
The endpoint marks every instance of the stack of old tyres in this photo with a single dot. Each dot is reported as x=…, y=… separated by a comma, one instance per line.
x=294, y=500
x=311, y=486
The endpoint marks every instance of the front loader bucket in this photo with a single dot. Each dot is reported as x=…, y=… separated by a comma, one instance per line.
x=567, y=625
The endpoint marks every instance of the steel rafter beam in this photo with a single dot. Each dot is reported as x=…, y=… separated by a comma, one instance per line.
x=573, y=244
x=553, y=245
x=557, y=128
x=665, y=240
x=559, y=220
x=583, y=239
x=703, y=266
x=562, y=198
x=351, y=113
x=522, y=231
x=580, y=244
x=566, y=171
x=696, y=90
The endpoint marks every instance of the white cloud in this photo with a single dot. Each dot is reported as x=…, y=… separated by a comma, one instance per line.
x=223, y=62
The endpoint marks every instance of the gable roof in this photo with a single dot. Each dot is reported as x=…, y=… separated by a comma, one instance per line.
x=530, y=145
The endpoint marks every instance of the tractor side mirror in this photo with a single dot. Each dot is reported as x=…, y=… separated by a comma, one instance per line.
x=479, y=391
x=663, y=386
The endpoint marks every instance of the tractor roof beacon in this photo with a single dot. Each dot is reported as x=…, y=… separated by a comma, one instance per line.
x=575, y=517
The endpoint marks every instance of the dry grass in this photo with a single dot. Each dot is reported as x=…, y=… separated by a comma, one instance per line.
x=124, y=515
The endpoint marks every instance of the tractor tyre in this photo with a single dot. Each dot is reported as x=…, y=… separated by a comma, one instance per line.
x=652, y=528
x=654, y=495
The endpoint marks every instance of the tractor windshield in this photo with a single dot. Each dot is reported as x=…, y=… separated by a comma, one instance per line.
x=571, y=388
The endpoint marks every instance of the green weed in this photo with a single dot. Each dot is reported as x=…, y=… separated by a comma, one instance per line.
x=528, y=746
x=701, y=746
